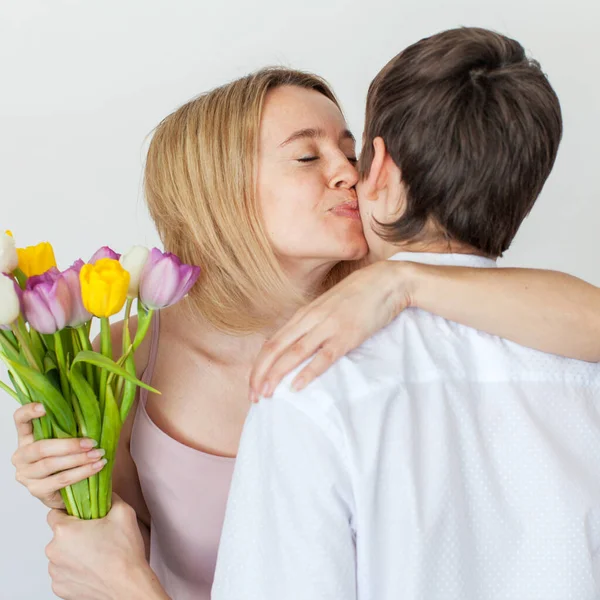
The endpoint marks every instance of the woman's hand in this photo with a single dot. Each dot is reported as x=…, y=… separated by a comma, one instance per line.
x=103, y=559
x=545, y=310
x=47, y=466
x=335, y=323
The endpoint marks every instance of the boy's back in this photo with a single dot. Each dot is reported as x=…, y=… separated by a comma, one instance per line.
x=435, y=461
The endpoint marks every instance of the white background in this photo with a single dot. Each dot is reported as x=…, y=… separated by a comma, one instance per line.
x=82, y=84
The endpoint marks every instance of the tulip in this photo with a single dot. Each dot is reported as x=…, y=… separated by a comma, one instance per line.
x=47, y=302
x=165, y=280
x=10, y=302
x=134, y=262
x=79, y=314
x=104, y=252
x=104, y=287
x=35, y=260
x=9, y=259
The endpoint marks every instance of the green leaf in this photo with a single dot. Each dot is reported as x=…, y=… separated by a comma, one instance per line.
x=41, y=426
x=10, y=392
x=50, y=362
x=51, y=371
x=103, y=362
x=9, y=349
x=37, y=342
x=111, y=430
x=88, y=402
x=48, y=340
x=58, y=408
x=59, y=434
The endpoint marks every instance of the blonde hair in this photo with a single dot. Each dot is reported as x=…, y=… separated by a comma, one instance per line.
x=200, y=187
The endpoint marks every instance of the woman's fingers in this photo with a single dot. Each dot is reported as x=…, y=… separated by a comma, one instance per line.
x=273, y=348
x=23, y=417
x=42, y=449
x=56, y=464
x=292, y=356
x=49, y=485
x=322, y=360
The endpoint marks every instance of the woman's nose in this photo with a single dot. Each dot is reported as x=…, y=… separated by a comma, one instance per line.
x=346, y=175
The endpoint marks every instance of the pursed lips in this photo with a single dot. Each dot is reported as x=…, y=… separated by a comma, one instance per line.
x=346, y=209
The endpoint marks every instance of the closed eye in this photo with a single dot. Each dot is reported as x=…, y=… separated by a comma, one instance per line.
x=306, y=159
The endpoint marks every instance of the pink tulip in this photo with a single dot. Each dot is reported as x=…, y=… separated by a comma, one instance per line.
x=79, y=315
x=165, y=280
x=104, y=252
x=47, y=302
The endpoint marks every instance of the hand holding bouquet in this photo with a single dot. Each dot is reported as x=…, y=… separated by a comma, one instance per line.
x=45, y=322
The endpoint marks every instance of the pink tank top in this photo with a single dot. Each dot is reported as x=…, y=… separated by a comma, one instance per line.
x=186, y=493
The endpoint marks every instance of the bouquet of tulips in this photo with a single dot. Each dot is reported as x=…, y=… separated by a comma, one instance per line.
x=45, y=321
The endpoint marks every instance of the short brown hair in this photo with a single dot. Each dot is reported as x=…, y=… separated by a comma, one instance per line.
x=200, y=187
x=474, y=126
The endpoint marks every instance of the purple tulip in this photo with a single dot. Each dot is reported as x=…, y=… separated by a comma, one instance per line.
x=47, y=302
x=104, y=252
x=79, y=315
x=165, y=280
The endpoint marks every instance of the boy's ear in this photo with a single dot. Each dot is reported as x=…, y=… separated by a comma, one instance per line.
x=377, y=177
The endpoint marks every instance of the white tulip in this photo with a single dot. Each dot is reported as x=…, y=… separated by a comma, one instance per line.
x=8, y=254
x=134, y=262
x=10, y=306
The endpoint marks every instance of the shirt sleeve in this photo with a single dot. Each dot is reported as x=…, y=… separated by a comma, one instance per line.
x=288, y=527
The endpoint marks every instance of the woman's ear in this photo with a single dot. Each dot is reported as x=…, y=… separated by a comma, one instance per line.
x=376, y=180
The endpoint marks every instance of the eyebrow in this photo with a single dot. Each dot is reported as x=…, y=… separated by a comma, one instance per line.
x=311, y=133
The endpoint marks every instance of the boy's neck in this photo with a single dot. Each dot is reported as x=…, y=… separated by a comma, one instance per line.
x=386, y=250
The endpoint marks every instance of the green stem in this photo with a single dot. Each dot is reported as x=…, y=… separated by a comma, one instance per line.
x=37, y=343
x=125, y=348
x=126, y=334
x=62, y=366
x=84, y=340
x=21, y=334
x=144, y=320
x=69, y=500
x=93, y=483
x=106, y=347
x=20, y=277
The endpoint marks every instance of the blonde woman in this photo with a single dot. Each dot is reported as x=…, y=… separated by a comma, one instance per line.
x=254, y=181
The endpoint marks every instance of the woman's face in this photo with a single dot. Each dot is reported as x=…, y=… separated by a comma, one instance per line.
x=306, y=179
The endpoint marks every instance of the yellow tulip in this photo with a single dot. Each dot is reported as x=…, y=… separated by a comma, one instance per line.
x=104, y=287
x=35, y=260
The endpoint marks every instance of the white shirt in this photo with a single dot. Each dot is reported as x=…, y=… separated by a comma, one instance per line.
x=435, y=462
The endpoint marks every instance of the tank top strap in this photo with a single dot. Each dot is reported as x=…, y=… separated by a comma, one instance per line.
x=149, y=370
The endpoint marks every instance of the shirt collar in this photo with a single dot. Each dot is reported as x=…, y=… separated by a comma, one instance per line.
x=455, y=260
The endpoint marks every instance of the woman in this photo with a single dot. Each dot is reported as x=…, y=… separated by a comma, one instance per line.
x=255, y=182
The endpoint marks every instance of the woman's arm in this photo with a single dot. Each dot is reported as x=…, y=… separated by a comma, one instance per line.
x=546, y=310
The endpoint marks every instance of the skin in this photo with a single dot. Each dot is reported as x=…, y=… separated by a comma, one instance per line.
x=305, y=186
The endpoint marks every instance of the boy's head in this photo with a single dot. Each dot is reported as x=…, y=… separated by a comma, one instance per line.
x=461, y=133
